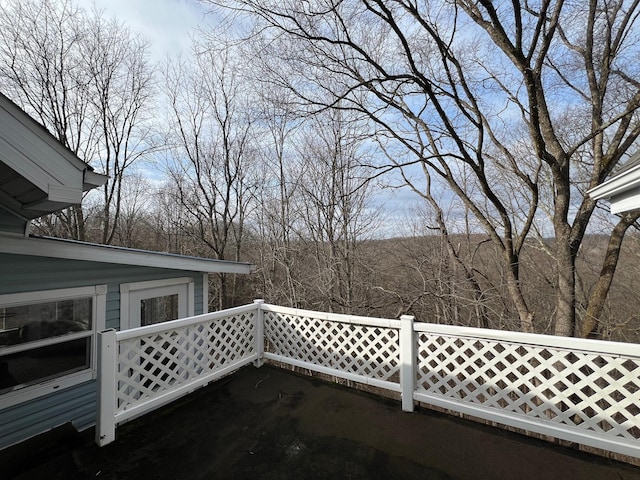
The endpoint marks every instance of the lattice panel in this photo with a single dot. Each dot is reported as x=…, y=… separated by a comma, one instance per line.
x=152, y=365
x=596, y=392
x=369, y=351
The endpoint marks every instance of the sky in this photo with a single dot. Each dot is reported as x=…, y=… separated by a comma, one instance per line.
x=168, y=26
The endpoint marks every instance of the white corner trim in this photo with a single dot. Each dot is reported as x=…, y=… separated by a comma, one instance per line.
x=101, y=307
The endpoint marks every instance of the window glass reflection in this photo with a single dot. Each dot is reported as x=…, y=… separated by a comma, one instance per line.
x=158, y=309
x=28, y=323
x=35, y=365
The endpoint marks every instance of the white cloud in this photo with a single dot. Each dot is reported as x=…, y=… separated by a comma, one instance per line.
x=166, y=24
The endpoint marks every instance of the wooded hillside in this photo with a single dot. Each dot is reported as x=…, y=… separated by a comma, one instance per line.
x=278, y=138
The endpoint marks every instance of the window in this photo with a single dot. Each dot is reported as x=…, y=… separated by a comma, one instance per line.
x=156, y=301
x=47, y=339
x=159, y=309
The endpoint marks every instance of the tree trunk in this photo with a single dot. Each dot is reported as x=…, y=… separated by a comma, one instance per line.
x=513, y=285
x=566, y=287
x=598, y=295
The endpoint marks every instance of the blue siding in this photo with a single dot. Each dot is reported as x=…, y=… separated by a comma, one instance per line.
x=23, y=273
x=197, y=294
x=113, y=306
x=76, y=405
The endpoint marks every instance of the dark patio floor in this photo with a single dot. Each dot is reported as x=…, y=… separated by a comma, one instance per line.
x=268, y=423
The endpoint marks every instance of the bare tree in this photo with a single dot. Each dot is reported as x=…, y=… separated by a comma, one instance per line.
x=338, y=214
x=88, y=81
x=134, y=225
x=314, y=211
x=121, y=93
x=170, y=220
x=211, y=162
x=490, y=100
x=278, y=219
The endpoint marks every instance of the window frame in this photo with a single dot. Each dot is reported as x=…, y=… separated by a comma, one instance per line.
x=132, y=292
x=98, y=294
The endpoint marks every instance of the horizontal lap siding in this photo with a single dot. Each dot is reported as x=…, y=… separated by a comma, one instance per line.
x=197, y=280
x=112, y=319
x=75, y=404
x=21, y=273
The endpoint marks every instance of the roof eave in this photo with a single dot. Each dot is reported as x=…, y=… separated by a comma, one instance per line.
x=616, y=185
x=92, y=179
x=74, y=250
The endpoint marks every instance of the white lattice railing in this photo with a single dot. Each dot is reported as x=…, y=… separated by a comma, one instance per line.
x=583, y=391
x=144, y=368
x=362, y=349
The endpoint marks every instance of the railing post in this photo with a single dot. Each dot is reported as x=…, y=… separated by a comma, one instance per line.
x=258, y=362
x=407, y=362
x=106, y=403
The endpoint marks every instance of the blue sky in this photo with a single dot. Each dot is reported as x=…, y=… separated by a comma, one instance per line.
x=167, y=24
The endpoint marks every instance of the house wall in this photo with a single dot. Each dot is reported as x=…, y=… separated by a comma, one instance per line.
x=77, y=404
x=11, y=224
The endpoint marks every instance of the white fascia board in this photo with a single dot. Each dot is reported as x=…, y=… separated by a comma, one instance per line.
x=625, y=201
x=617, y=184
x=92, y=179
x=74, y=250
x=31, y=150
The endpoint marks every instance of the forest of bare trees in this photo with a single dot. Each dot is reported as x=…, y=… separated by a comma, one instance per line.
x=281, y=141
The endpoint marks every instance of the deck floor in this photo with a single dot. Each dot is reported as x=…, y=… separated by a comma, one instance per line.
x=268, y=423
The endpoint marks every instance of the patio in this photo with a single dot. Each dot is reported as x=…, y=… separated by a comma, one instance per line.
x=270, y=423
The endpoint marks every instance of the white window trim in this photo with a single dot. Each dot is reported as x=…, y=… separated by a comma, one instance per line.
x=99, y=307
x=127, y=288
